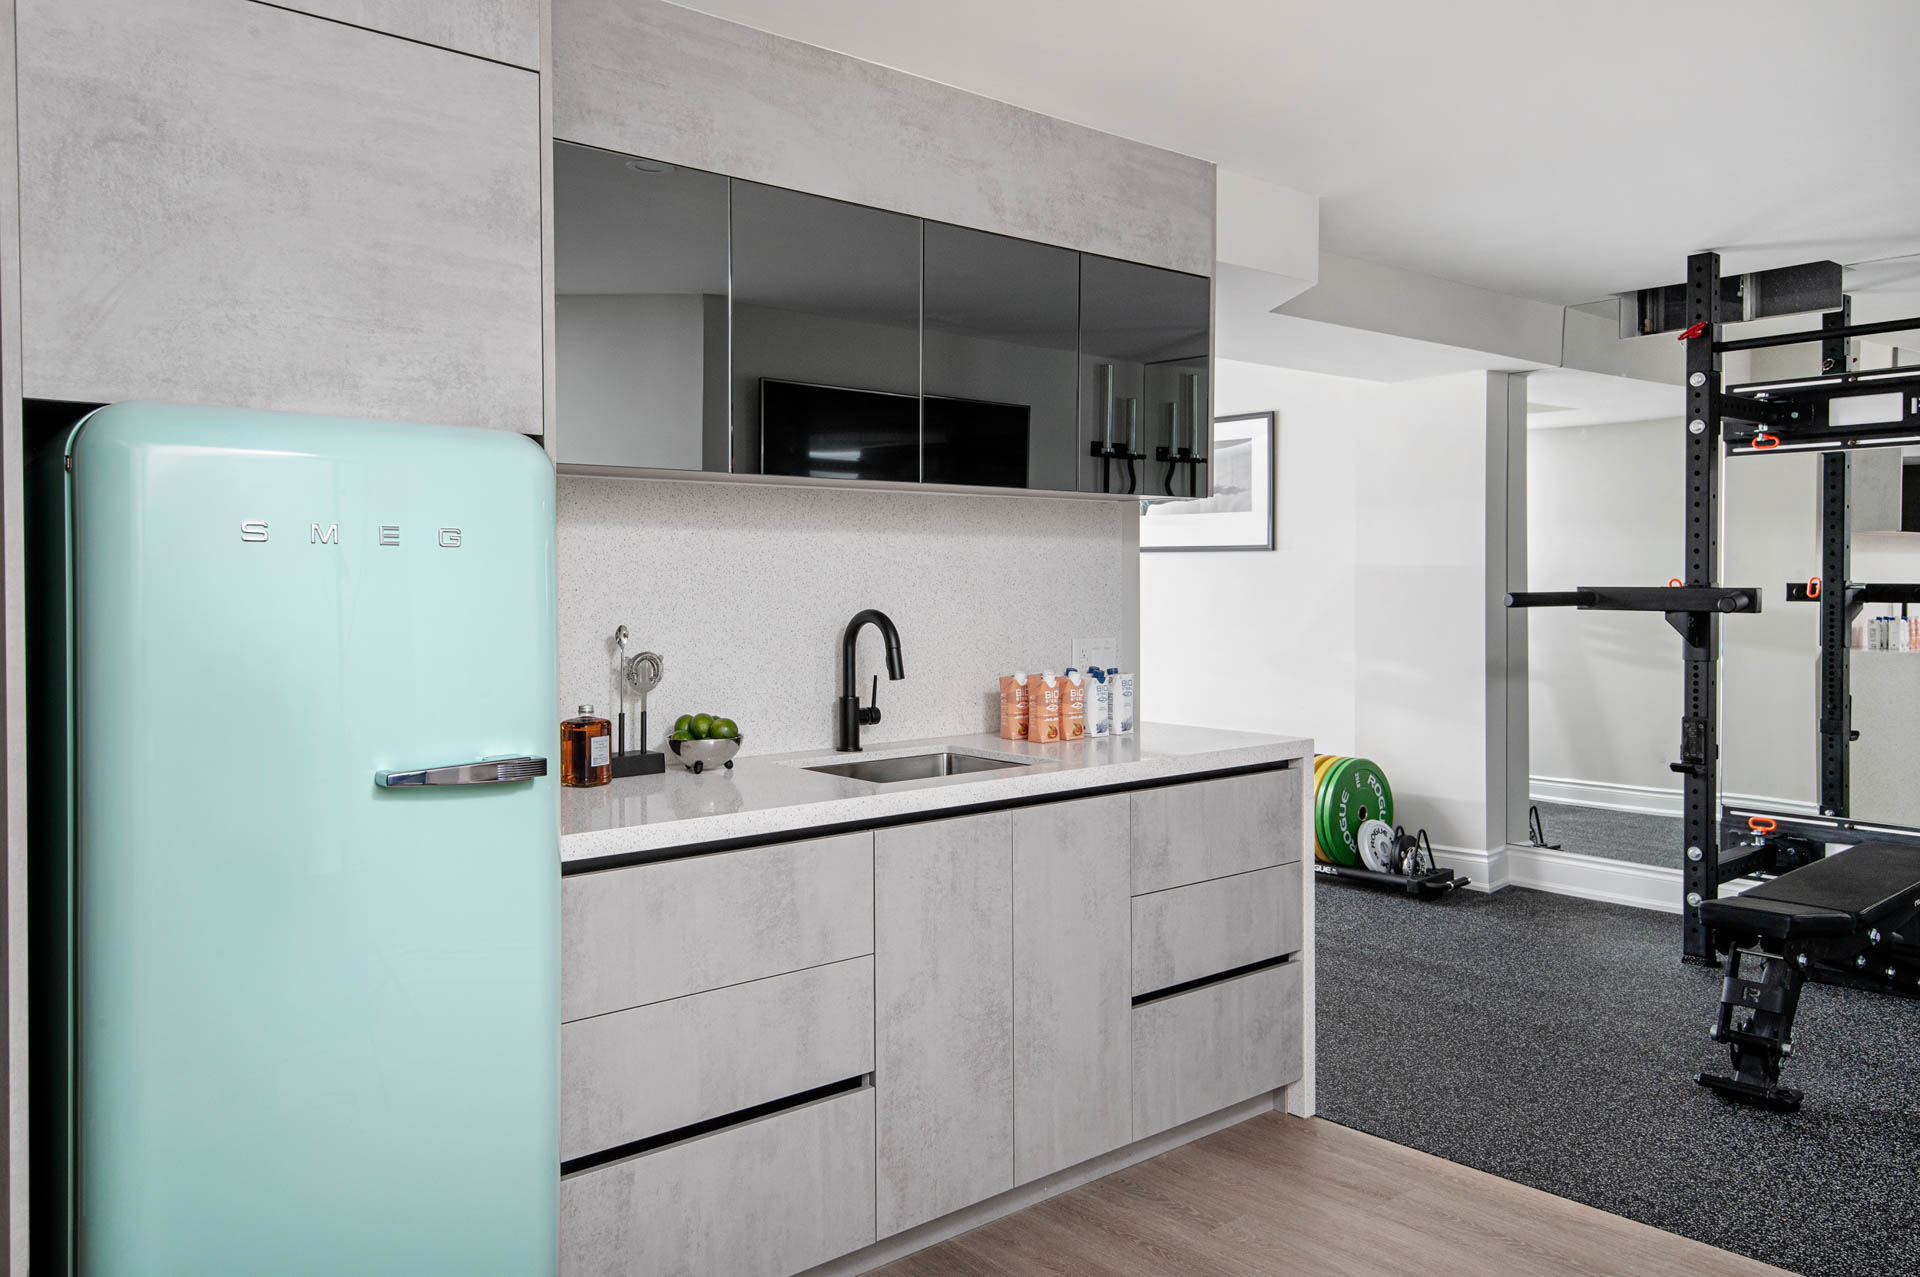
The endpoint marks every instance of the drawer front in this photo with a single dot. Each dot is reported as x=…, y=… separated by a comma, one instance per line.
x=640, y=1073
x=1212, y=828
x=1190, y=933
x=1197, y=1052
x=763, y=1199
x=652, y=932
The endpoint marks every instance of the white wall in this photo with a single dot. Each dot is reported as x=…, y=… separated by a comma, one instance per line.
x=746, y=588
x=1368, y=626
x=1265, y=641
x=1427, y=655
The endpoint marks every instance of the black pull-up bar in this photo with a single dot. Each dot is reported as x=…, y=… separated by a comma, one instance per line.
x=1549, y=598
x=1644, y=598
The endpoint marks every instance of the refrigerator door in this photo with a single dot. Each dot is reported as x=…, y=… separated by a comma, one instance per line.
x=316, y=1018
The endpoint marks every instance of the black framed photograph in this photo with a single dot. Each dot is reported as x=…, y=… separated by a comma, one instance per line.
x=1239, y=515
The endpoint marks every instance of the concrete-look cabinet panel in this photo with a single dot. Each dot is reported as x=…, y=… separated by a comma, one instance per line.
x=1072, y=1005
x=503, y=30
x=1197, y=1052
x=654, y=79
x=943, y=971
x=226, y=202
x=639, y=1073
x=1190, y=933
x=1212, y=828
x=765, y=1198
x=651, y=932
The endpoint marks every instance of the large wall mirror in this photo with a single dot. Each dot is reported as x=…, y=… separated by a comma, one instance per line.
x=715, y=324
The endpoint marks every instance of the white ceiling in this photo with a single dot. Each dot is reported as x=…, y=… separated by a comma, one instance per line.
x=1555, y=151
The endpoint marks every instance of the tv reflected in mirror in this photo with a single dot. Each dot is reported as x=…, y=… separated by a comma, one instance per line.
x=838, y=432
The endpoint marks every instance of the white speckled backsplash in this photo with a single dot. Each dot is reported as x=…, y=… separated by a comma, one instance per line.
x=745, y=590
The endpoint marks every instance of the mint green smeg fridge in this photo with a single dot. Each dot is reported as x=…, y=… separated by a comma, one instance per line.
x=294, y=859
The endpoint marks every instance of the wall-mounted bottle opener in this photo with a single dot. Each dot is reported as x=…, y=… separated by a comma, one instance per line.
x=639, y=674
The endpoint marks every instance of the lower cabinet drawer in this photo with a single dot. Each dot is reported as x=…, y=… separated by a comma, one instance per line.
x=1203, y=829
x=646, y=933
x=1190, y=933
x=635, y=1074
x=1197, y=1052
x=769, y=1197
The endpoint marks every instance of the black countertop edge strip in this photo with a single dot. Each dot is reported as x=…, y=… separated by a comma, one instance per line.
x=1174, y=990
x=620, y=860
x=633, y=1148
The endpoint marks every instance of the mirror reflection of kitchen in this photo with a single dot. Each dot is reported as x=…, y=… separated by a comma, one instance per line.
x=640, y=312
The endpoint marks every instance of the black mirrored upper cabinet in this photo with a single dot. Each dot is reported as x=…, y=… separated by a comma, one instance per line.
x=707, y=323
x=826, y=338
x=1001, y=347
x=640, y=312
x=1144, y=358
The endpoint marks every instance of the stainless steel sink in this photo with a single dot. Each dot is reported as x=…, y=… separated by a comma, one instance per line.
x=885, y=771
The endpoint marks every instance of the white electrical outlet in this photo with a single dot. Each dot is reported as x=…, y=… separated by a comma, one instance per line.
x=1091, y=652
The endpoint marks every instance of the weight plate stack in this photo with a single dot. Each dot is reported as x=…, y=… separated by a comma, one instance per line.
x=1351, y=791
x=1320, y=764
x=1323, y=826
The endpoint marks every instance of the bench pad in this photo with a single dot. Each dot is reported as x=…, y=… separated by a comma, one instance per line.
x=1870, y=885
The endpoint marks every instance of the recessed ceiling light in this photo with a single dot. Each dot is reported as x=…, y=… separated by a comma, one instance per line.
x=650, y=167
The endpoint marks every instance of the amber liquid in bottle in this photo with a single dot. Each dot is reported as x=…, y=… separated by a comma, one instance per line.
x=586, y=750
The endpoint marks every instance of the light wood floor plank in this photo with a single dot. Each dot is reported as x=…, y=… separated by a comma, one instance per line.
x=1279, y=1194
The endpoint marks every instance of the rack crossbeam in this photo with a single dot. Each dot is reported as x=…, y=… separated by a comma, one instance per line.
x=1827, y=386
x=1806, y=335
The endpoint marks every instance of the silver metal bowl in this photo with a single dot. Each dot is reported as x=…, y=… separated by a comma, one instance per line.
x=699, y=755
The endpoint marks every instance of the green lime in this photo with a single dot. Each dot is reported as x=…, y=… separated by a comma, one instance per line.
x=702, y=726
x=682, y=725
x=724, y=729
x=681, y=734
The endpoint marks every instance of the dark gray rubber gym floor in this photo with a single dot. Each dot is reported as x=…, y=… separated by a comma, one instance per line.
x=1553, y=1041
x=1613, y=835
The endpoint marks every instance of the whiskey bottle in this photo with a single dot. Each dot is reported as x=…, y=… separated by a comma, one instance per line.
x=586, y=750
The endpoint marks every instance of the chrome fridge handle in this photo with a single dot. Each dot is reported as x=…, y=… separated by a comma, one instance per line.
x=490, y=772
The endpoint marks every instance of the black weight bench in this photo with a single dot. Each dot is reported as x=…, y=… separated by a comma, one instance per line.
x=1849, y=909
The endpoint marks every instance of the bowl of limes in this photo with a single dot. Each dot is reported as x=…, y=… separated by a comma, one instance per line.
x=701, y=741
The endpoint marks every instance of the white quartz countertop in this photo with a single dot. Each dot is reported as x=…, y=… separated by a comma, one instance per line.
x=774, y=795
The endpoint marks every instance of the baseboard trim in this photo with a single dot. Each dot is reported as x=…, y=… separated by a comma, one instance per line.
x=1619, y=882
x=1484, y=870
x=900, y=1245
x=1647, y=800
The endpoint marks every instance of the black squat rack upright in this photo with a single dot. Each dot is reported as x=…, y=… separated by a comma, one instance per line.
x=1720, y=844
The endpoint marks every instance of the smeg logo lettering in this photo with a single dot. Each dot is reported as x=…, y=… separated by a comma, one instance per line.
x=257, y=532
